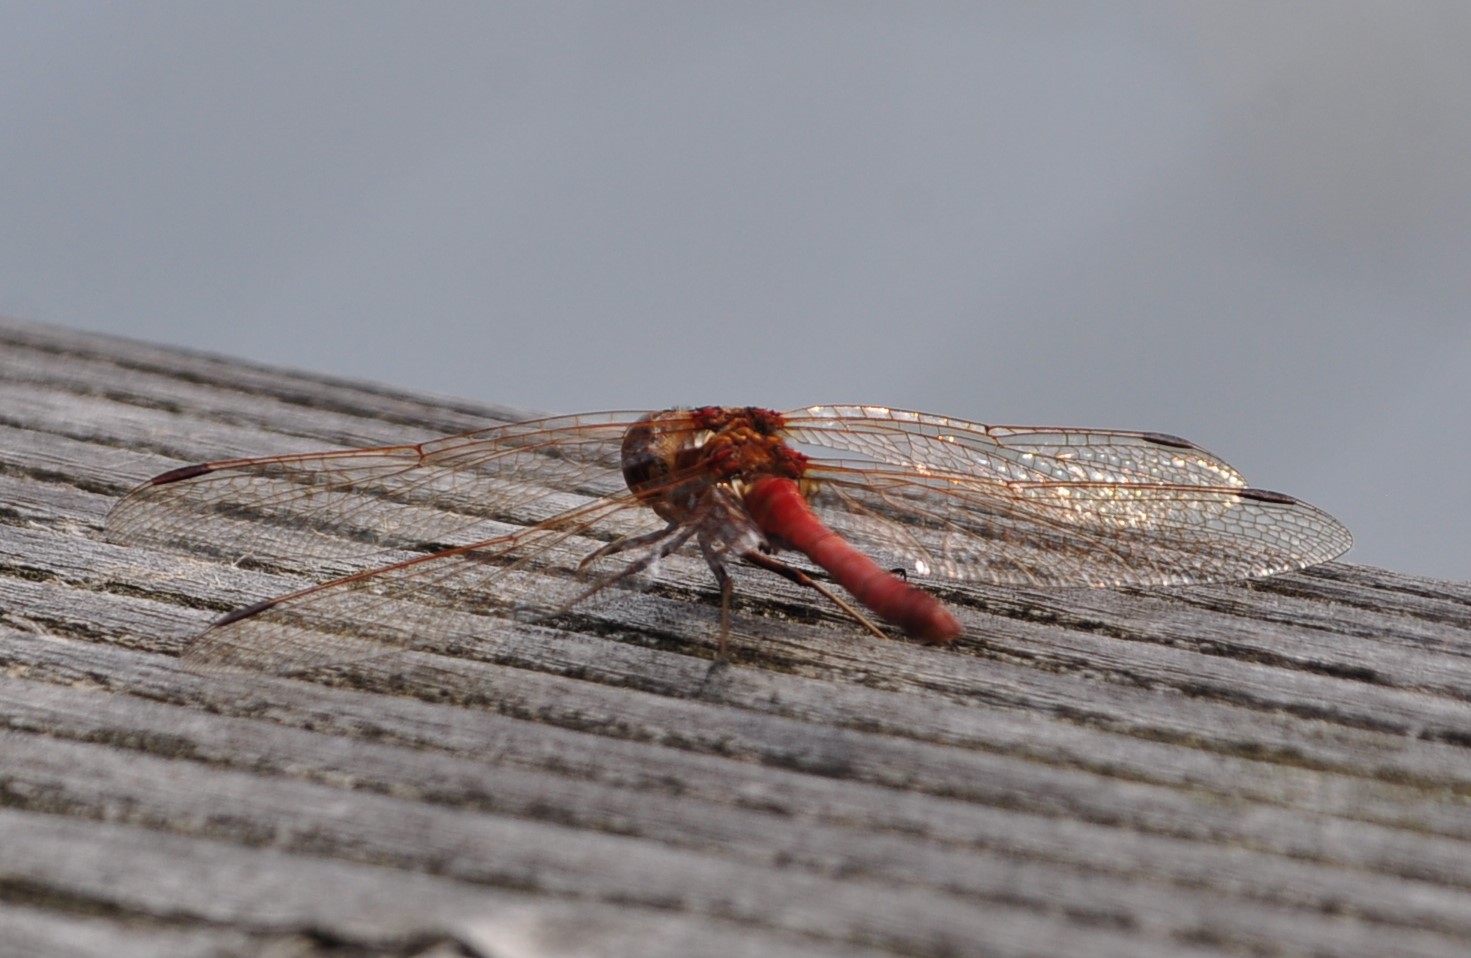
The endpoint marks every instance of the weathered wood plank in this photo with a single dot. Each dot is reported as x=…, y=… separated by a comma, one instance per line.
x=270, y=896
x=1277, y=768
x=46, y=929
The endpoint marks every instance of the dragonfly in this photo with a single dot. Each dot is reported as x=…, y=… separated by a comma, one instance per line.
x=533, y=518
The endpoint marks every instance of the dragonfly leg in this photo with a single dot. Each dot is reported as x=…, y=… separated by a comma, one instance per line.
x=667, y=544
x=717, y=569
x=632, y=542
x=761, y=560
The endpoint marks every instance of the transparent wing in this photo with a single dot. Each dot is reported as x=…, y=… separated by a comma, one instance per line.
x=434, y=599
x=532, y=501
x=1070, y=533
x=1031, y=506
x=927, y=444
x=461, y=488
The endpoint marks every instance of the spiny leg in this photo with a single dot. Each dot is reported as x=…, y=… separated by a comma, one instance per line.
x=671, y=543
x=792, y=574
x=626, y=543
x=717, y=568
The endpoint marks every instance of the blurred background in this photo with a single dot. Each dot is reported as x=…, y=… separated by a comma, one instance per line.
x=1245, y=223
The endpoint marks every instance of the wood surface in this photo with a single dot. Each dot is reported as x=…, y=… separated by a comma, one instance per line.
x=1274, y=768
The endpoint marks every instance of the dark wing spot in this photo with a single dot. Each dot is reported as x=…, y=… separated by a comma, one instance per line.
x=1165, y=439
x=181, y=473
x=243, y=613
x=1266, y=495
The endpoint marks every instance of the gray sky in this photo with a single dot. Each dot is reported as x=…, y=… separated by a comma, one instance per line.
x=1248, y=223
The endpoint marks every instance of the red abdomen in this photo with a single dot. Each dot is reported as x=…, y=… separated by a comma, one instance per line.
x=782, y=512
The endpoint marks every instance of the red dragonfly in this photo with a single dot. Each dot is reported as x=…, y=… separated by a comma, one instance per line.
x=538, y=516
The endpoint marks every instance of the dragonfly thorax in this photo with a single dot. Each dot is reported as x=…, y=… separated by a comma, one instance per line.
x=672, y=459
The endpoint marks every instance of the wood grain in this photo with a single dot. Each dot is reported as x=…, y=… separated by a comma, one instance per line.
x=1277, y=768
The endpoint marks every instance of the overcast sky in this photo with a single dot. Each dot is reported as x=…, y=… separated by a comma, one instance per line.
x=1248, y=223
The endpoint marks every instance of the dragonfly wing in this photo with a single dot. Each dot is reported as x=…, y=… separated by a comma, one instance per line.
x=355, y=502
x=1071, y=533
x=1009, y=453
x=431, y=600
